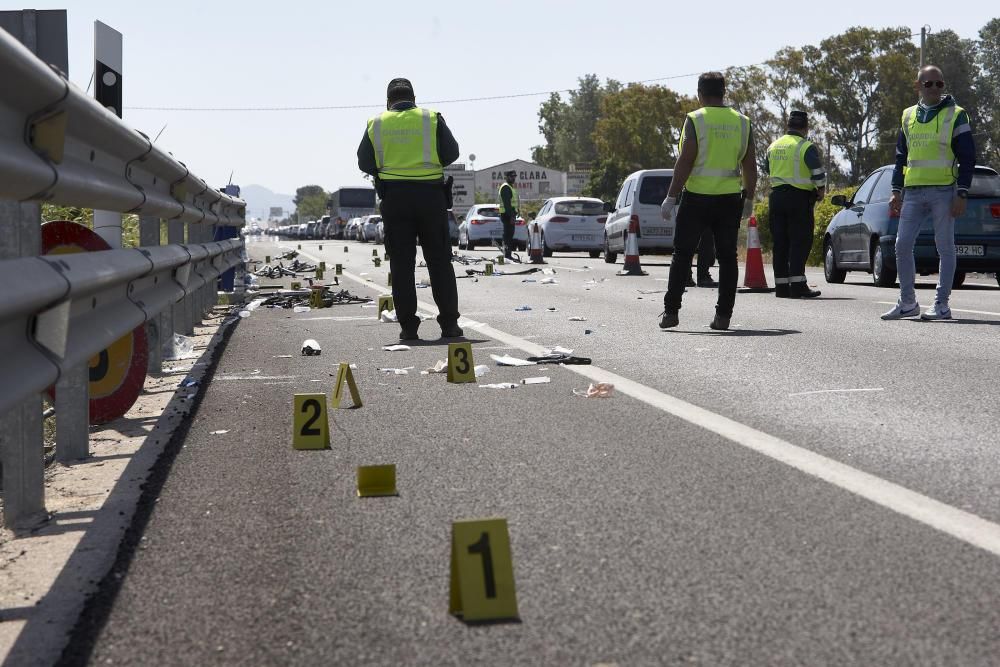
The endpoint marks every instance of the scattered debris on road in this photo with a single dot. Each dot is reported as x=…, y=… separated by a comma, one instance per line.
x=396, y=348
x=311, y=348
x=596, y=390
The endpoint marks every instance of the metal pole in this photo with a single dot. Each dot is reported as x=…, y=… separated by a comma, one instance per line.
x=181, y=324
x=191, y=301
x=21, y=449
x=73, y=414
x=239, y=284
x=149, y=236
x=923, y=44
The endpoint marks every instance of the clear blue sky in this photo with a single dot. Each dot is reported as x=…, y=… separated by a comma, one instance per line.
x=296, y=53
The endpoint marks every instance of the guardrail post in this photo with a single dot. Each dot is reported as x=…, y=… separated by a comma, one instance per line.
x=179, y=311
x=239, y=283
x=149, y=235
x=73, y=414
x=208, y=292
x=21, y=445
x=193, y=318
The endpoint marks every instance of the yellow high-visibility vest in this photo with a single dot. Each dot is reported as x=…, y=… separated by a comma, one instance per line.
x=405, y=145
x=929, y=160
x=786, y=159
x=514, y=199
x=723, y=135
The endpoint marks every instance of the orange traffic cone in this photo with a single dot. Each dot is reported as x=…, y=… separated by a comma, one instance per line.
x=633, y=267
x=535, y=245
x=754, y=279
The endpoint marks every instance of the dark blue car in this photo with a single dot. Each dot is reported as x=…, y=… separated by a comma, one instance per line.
x=862, y=237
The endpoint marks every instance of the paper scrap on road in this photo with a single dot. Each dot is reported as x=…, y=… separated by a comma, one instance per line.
x=577, y=318
x=499, y=385
x=481, y=370
x=311, y=348
x=552, y=309
x=397, y=371
x=282, y=356
x=549, y=281
x=544, y=379
x=440, y=366
x=244, y=314
x=548, y=272
x=396, y=348
x=556, y=350
x=219, y=432
x=529, y=280
x=298, y=309
x=596, y=390
x=389, y=316
x=507, y=360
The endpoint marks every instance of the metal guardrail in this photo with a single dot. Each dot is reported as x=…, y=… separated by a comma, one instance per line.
x=58, y=311
x=57, y=144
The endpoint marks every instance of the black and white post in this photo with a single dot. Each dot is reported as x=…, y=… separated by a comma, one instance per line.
x=108, y=92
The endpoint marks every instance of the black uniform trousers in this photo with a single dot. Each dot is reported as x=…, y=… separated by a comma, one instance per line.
x=412, y=209
x=706, y=253
x=697, y=212
x=507, y=219
x=791, y=219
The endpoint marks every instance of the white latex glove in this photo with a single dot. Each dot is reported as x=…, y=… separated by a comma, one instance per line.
x=747, y=209
x=668, y=208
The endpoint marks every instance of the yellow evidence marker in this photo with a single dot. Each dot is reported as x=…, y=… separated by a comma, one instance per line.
x=482, y=573
x=460, y=365
x=321, y=246
x=296, y=285
x=377, y=481
x=344, y=373
x=338, y=269
x=385, y=302
x=374, y=252
x=319, y=273
x=322, y=266
x=345, y=248
x=378, y=262
x=500, y=259
x=310, y=428
x=316, y=296
x=489, y=269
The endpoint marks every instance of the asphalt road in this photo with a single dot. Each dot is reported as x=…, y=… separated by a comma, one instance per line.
x=815, y=486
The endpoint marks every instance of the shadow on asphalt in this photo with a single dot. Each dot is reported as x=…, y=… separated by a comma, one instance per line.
x=738, y=332
x=991, y=323
x=425, y=342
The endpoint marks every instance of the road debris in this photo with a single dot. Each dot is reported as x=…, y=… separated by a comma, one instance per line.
x=499, y=385
x=396, y=348
x=507, y=360
x=311, y=348
x=219, y=432
x=522, y=308
x=542, y=379
x=596, y=390
x=577, y=318
x=397, y=371
x=440, y=366
x=389, y=316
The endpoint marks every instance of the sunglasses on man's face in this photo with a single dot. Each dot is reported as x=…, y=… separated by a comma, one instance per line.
x=931, y=84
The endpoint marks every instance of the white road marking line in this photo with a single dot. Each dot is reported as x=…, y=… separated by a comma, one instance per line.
x=957, y=310
x=949, y=520
x=835, y=391
x=255, y=377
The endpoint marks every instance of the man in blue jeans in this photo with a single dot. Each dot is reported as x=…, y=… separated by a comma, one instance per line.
x=935, y=134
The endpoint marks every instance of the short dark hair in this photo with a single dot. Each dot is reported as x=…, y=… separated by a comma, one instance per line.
x=798, y=120
x=712, y=84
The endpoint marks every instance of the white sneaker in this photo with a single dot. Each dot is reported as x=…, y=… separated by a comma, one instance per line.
x=939, y=311
x=899, y=311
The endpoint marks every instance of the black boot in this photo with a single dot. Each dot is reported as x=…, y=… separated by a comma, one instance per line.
x=802, y=291
x=781, y=291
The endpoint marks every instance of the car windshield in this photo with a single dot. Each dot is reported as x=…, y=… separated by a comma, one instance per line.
x=580, y=207
x=985, y=184
x=489, y=212
x=654, y=189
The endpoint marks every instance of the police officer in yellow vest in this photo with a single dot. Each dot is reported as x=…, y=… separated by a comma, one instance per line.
x=935, y=160
x=509, y=204
x=406, y=149
x=715, y=178
x=797, y=183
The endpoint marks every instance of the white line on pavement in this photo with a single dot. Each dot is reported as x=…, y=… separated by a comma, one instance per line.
x=952, y=521
x=957, y=310
x=835, y=391
x=254, y=377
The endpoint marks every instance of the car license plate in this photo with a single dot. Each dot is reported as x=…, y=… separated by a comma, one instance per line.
x=970, y=250
x=582, y=237
x=495, y=233
x=658, y=231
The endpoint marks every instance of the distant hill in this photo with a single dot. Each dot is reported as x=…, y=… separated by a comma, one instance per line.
x=260, y=200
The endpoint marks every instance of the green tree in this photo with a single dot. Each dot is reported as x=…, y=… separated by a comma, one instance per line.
x=987, y=125
x=859, y=82
x=568, y=126
x=301, y=194
x=312, y=207
x=957, y=59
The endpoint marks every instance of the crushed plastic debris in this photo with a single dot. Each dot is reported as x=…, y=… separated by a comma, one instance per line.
x=577, y=318
x=189, y=382
x=440, y=366
x=481, y=370
x=499, y=385
x=552, y=309
x=543, y=379
x=529, y=280
x=507, y=360
x=557, y=350
x=397, y=371
x=182, y=348
x=396, y=348
x=587, y=332
x=301, y=309
x=389, y=316
x=596, y=390
x=548, y=272
x=219, y=432
x=561, y=359
x=282, y=356
x=311, y=348
x=522, y=308
x=549, y=281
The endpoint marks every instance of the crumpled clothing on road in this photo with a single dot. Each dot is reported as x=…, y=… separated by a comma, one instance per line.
x=567, y=359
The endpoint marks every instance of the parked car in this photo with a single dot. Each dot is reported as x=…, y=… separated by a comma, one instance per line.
x=862, y=237
x=572, y=223
x=639, y=199
x=482, y=226
x=368, y=228
x=351, y=229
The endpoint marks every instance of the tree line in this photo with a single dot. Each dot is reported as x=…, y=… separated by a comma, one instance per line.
x=854, y=86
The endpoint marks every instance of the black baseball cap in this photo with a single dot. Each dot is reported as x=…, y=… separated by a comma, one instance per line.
x=798, y=119
x=399, y=88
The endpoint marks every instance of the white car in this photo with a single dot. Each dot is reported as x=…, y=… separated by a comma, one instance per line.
x=482, y=226
x=368, y=228
x=572, y=223
x=351, y=229
x=639, y=199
